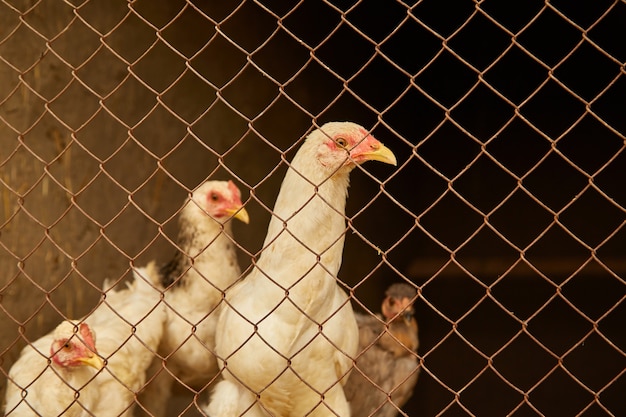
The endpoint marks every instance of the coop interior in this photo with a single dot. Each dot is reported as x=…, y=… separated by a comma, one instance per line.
x=506, y=210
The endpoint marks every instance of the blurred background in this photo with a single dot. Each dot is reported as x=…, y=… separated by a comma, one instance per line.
x=507, y=209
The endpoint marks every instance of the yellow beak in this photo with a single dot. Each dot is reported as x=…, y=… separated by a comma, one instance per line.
x=94, y=361
x=239, y=213
x=381, y=154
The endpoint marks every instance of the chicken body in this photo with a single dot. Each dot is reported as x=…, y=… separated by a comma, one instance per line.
x=387, y=362
x=288, y=333
x=130, y=325
x=55, y=387
x=195, y=278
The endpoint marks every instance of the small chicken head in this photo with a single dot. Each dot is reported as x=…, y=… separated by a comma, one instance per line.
x=348, y=144
x=75, y=345
x=399, y=302
x=221, y=200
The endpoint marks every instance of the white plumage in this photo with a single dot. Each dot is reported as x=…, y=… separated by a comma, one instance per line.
x=38, y=385
x=288, y=333
x=195, y=278
x=129, y=325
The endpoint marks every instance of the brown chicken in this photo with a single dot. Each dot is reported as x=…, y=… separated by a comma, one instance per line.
x=387, y=367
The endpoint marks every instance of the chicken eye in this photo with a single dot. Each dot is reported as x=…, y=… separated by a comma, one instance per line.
x=66, y=345
x=214, y=197
x=341, y=142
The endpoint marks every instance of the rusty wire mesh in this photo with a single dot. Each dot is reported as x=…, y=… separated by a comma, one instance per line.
x=507, y=208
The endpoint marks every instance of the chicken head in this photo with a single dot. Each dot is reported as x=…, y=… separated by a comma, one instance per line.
x=399, y=302
x=347, y=144
x=221, y=200
x=75, y=345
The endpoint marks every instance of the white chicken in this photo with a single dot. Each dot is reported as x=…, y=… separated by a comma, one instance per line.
x=386, y=368
x=52, y=375
x=287, y=334
x=195, y=279
x=129, y=324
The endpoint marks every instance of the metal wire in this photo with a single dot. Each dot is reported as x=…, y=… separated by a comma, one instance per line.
x=507, y=209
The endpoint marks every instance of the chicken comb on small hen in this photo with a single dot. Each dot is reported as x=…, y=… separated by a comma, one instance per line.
x=287, y=333
x=39, y=386
x=201, y=270
x=387, y=362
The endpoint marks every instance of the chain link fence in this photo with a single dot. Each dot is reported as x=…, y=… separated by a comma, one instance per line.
x=506, y=210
